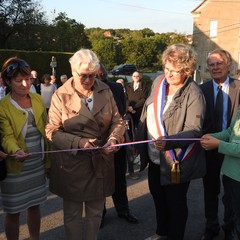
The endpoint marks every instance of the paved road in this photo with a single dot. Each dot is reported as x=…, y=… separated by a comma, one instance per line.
x=115, y=228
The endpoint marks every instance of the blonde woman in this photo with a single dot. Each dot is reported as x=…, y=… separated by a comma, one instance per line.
x=175, y=109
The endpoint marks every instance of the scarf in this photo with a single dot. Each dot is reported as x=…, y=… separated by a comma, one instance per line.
x=158, y=104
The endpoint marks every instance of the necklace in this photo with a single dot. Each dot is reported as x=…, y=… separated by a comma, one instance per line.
x=87, y=100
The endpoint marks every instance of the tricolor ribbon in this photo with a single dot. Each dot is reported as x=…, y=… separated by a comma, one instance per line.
x=115, y=146
x=158, y=104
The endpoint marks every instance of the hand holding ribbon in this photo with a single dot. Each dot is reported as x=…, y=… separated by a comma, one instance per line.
x=160, y=143
x=20, y=155
x=87, y=142
x=108, y=147
x=209, y=142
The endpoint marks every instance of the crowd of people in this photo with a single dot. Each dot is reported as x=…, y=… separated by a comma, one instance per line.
x=191, y=131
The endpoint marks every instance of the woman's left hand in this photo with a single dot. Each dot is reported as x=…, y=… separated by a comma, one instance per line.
x=20, y=155
x=87, y=142
x=160, y=145
x=209, y=142
x=110, y=142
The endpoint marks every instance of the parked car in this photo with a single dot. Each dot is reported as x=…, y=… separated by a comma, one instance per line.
x=124, y=69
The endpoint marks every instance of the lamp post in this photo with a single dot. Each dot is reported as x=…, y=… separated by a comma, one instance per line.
x=53, y=65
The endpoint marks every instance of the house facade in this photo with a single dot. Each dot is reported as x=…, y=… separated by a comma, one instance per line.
x=216, y=24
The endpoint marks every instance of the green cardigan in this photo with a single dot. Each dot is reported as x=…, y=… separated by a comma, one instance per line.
x=230, y=146
x=12, y=121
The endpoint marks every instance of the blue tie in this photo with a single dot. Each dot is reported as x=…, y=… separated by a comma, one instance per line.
x=219, y=110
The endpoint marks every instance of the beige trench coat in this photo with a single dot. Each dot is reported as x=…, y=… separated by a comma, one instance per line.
x=82, y=175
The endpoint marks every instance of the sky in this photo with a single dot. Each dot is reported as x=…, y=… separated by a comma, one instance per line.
x=158, y=15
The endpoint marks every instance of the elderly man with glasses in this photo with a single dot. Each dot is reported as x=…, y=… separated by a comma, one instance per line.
x=136, y=93
x=222, y=94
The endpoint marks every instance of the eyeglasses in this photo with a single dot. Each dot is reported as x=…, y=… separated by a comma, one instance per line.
x=85, y=76
x=217, y=64
x=173, y=72
x=15, y=65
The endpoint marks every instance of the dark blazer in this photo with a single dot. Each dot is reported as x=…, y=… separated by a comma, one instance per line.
x=119, y=96
x=209, y=121
x=136, y=99
x=233, y=103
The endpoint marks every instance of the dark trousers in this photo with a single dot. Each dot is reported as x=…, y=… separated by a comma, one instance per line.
x=232, y=189
x=130, y=158
x=129, y=137
x=212, y=186
x=119, y=197
x=170, y=205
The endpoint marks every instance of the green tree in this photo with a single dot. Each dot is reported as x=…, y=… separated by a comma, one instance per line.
x=141, y=52
x=167, y=39
x=147, y=32
x=108, y=52
x=140, y=34
x=95, y=34
x=69, y=35
x=16, y=16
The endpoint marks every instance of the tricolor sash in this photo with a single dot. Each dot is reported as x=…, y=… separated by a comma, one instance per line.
x=158, y=104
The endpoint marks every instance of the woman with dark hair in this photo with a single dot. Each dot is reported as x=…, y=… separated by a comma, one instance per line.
x=22, y=124
x=47, y=90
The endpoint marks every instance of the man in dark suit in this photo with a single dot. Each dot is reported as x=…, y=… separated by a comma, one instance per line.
x=136, y=92
x=219, y=64
x=119, y=197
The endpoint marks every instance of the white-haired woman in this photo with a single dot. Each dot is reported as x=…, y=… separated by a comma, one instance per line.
x=83, y=114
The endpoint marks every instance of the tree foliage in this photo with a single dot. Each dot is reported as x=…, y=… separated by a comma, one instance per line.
x=16, y=16
x=69, y=34
x=24, y=26
x=141, y=52
x=108, y=52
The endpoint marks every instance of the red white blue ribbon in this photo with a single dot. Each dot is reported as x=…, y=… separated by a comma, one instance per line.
x=158, y=104
x=116, y=145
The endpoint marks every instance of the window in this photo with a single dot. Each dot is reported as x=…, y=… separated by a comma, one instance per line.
x=213, y=28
